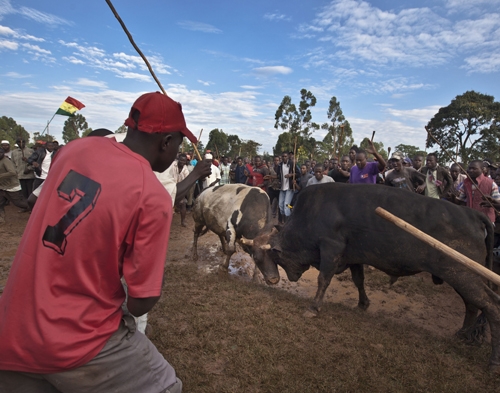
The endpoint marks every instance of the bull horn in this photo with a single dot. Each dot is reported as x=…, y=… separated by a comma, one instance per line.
x=265, y=247
x=274, y=231
x=248, y=242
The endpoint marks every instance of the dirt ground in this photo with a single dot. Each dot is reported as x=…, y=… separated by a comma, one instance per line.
x=414, y=300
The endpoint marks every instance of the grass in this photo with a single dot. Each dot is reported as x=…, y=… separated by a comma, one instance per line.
x=225, y=335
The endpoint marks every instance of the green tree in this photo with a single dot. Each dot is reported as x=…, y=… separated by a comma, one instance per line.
x=234, y=144
x=407, y=150
x=73, y=126
x=122, y=129
x=304, y=117
x=46, y=137
x=467, y=127
x=249, y=148
x=86, y=132
x=286, y=116
x=10, y=130
x=379, y=146
x=217, y=142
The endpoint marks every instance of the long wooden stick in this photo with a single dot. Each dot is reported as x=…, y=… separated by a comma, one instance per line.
x=134, y=45
x=373, y=134
x=143, y=57
x=293, y=161
x=460, y=258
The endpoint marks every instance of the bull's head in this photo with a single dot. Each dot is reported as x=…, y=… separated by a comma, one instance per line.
x=260, y=249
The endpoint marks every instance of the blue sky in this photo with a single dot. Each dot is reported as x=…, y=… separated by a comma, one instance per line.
x=391, y=64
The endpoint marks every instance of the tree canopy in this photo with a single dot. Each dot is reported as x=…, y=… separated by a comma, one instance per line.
x=468, y=128
x=10, y=130
x=73, y=126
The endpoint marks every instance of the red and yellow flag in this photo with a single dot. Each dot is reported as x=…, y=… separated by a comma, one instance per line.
x=69, y=107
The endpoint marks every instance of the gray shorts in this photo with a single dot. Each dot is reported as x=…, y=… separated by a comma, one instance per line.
x=129, y=362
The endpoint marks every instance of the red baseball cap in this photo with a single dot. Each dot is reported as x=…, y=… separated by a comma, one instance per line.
x=159, y=113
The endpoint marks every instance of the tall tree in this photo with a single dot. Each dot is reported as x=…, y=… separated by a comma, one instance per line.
x=379, y=146
x=217, y=142
x=407, y=150
x=467, y=127
x=234, y=143
x=10, y=130
x=249, y=148
x=73, y=126
x=304, y=116
x=286, y=116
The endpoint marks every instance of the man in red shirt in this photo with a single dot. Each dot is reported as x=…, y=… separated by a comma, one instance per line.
x=61, y=322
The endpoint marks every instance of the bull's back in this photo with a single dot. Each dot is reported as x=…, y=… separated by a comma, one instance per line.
x=238, y=204
x=347, y=212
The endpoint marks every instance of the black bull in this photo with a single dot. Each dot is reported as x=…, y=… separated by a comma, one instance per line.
x=334, y=227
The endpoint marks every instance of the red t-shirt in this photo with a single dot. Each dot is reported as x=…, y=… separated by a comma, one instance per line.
x=102, y=214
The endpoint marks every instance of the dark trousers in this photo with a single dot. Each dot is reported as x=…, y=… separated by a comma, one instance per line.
x=26, y=187
x=274, y=196
x=37, y=183
x=15, y=197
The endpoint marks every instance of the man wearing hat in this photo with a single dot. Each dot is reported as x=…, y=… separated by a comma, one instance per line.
x=5, y=145
x=488, y=167
x=61, y=323
x=402, y=176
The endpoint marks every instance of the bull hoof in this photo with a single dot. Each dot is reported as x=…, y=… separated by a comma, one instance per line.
x=310, y=313
x=364, y=306
x=223, y=270
x=195, y=258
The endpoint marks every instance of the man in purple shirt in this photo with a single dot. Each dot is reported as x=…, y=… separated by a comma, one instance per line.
x=365, y=172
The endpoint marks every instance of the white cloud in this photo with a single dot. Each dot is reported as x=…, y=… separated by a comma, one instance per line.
x=91, y=83
x=251, y=87
x=272, y=70
x=7, y=31
x=16, y=75
x=73, y=60
x=277, y=17
x=419, y=115
x=6, y=8
x=198, y=26
x=6, y=44
x=205, y=83
x=483, y=64
x=355, y=30
x=36, y=48
x=42, y=17
x=117, y=62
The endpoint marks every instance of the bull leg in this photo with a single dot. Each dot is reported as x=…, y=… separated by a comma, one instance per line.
x=331, y=252
x=223, y=243
x=230, y=246
x=477, y=295
x=197, y=231
x=358, y=276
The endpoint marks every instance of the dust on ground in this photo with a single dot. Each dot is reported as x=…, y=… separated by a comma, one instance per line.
x=414, y=300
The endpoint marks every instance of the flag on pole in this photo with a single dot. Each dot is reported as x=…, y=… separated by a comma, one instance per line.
x=69, y=107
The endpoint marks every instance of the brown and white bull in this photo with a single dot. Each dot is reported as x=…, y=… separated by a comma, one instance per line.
x=236, y=213
x=334, y=227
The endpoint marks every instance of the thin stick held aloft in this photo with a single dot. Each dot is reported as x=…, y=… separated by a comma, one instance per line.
x=134, y=45
x=460, y=258
x=373, y=135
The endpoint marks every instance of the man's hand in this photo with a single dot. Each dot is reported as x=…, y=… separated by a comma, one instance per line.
x=420, y=188
x=35, y=164
x=203, y=169
x=371, y=149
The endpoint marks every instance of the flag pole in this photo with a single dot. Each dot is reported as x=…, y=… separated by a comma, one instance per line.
x=47, y=126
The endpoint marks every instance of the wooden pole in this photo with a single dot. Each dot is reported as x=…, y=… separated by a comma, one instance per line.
x=134, y=45
x=460, y=258
x=293, y=161
x=340, y=140
x=373, y=134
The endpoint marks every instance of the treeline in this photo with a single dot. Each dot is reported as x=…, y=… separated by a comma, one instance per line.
x=468, y=128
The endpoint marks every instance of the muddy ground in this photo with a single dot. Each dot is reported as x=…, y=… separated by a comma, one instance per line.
x=414, y=300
